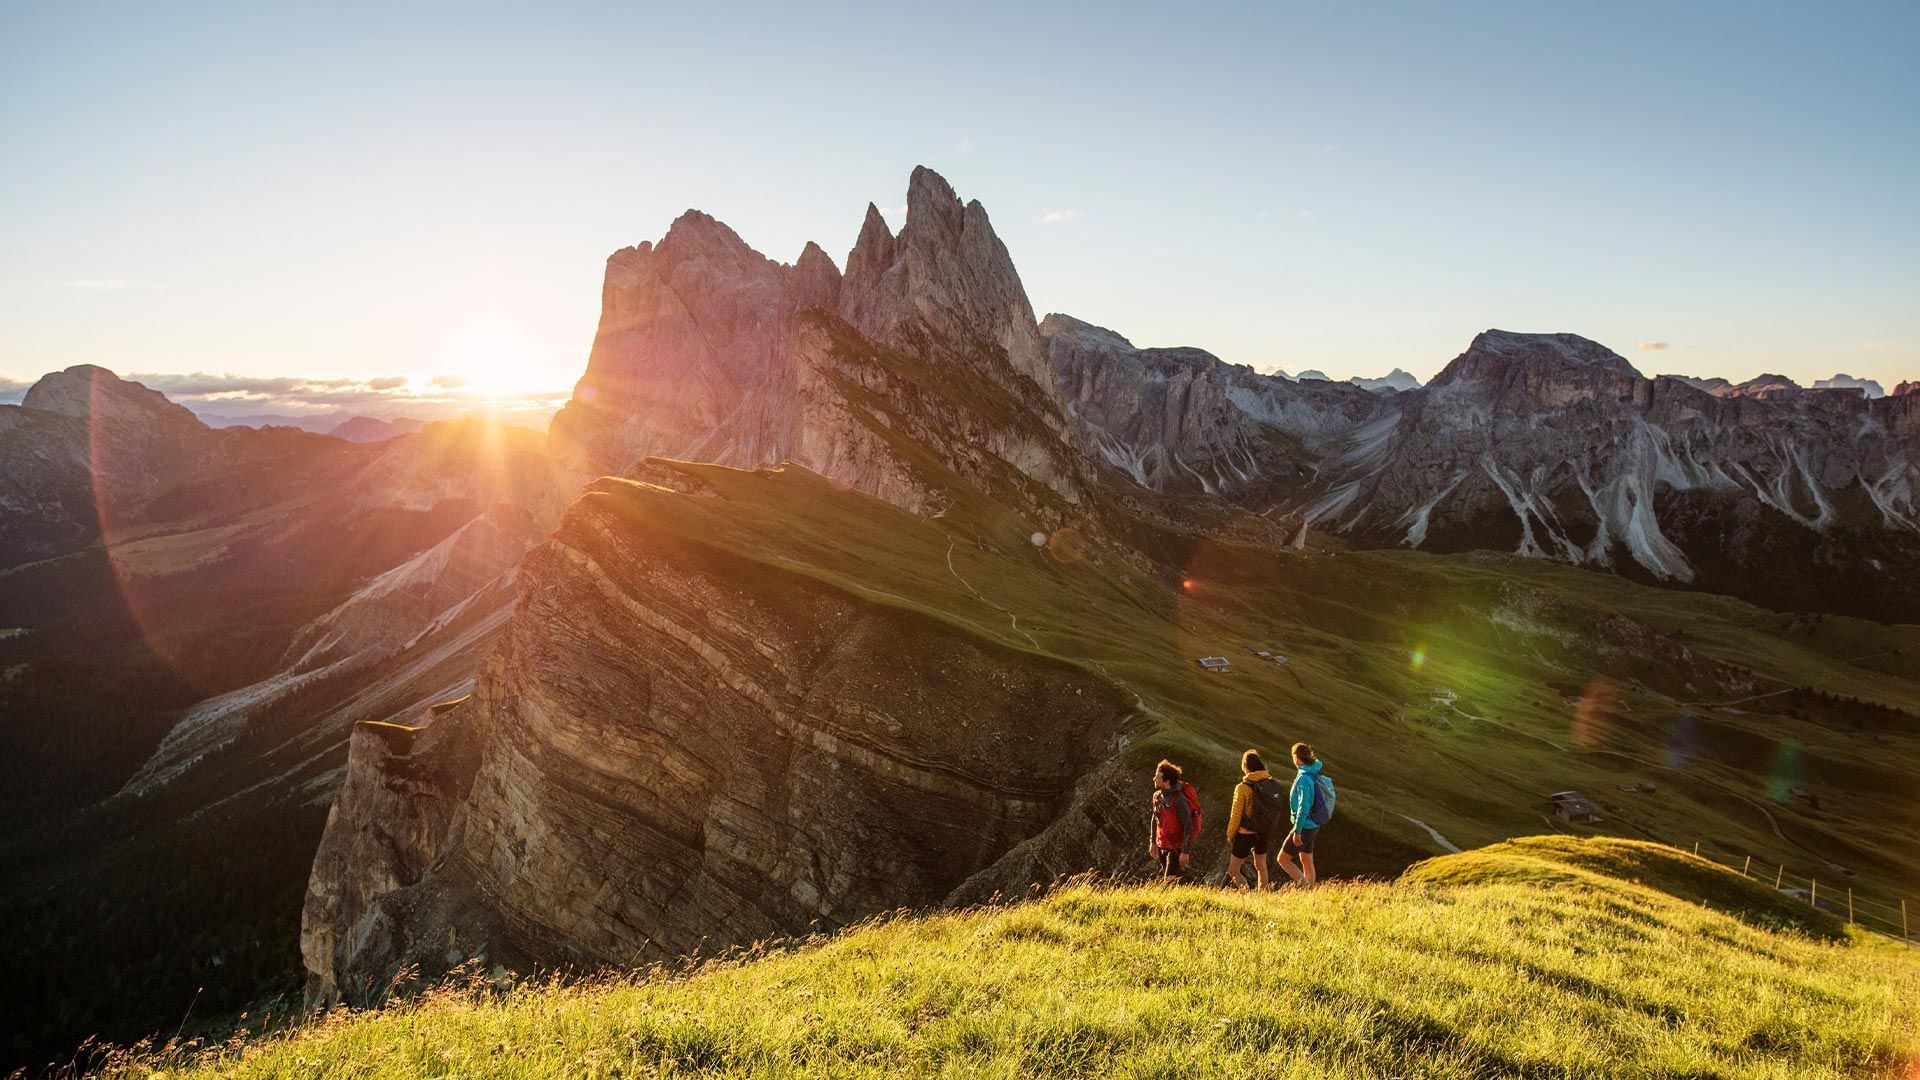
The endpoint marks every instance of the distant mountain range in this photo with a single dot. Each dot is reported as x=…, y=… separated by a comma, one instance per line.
x=348, y=426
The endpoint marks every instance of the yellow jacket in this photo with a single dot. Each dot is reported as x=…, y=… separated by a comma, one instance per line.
x=1242, y=811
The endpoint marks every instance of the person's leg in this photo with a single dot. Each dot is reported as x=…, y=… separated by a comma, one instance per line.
x=1260, y=863
x=1286, y=863
x=1237, y=853
x=1309, y=839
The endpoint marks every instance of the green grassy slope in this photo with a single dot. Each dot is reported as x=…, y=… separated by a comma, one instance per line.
x=1543, y=958
x=1564, y=678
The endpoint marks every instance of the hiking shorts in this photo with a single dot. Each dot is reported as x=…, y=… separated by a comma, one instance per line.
x=1300, y=842
x=1249, y=843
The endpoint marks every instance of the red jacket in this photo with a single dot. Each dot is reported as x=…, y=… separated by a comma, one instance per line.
x=1176, y=817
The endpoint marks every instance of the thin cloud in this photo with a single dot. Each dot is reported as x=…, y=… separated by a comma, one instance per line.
x=389, y=382
x=893, y=211
x=1059, y=217
x=450, y=382
x=207, y=384
x=107, y=285
x=966, y=144
x=12, y=389
x=1652, y=346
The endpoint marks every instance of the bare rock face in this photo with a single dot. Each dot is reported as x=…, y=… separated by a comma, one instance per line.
x=83, y=443
x=1553, y=446
x=1182, y=420
x=708, y=351
x=674, y=745
x=946, y=281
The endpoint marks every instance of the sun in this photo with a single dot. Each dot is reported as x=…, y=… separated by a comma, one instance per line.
x=490, y=358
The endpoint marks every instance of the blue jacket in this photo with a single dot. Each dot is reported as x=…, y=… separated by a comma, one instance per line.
x=1300, y=800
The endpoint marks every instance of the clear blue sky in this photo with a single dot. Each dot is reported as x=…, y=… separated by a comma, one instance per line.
x=385, y=190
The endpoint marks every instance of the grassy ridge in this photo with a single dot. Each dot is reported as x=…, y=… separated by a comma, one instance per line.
x=1565, y=678
x=1528, y=958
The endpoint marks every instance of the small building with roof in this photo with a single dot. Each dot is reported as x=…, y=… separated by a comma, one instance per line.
x=1573, y=808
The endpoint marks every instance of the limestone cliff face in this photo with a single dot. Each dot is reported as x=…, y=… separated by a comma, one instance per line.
x=1553, y=446
x=708, y=351
x=1184, y=420
x=674, y=746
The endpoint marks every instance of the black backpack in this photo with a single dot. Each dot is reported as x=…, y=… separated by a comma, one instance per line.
x=1269, y=811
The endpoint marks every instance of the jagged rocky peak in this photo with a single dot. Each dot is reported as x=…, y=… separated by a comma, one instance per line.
x=88, y=391
x=1910, y=386
x=948, y=273
x=709, y=351
x=815, y=280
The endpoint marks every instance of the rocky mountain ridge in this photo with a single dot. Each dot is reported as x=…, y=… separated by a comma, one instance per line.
x=709, y=351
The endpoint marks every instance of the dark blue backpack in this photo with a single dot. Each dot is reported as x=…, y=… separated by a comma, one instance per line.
x=1322, y=810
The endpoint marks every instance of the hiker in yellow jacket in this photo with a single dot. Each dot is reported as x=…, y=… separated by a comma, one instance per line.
x=1259, y=806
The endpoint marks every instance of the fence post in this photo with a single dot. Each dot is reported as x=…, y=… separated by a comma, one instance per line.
x=1903, y=920
x=1849, y=906
x=1744, y=867
x=1813, y=893
x=1781, y=875
x=1696, y=849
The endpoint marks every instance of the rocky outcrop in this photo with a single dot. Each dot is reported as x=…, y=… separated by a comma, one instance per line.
x=676, y=746
x=709, y=351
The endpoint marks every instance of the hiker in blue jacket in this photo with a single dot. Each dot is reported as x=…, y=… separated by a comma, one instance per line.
x=1300, y=802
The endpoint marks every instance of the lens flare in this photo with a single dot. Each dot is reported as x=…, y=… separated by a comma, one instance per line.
x=1594, y=714
x=1067, y=545
x=1786, y=771
x=1683, y=741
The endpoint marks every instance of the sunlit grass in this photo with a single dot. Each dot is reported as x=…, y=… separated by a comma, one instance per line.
x=1529, y=960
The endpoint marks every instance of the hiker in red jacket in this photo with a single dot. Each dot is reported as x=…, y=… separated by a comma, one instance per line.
x=1176, y=821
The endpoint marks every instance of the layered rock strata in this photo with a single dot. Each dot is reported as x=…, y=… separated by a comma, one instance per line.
x=677, y=747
